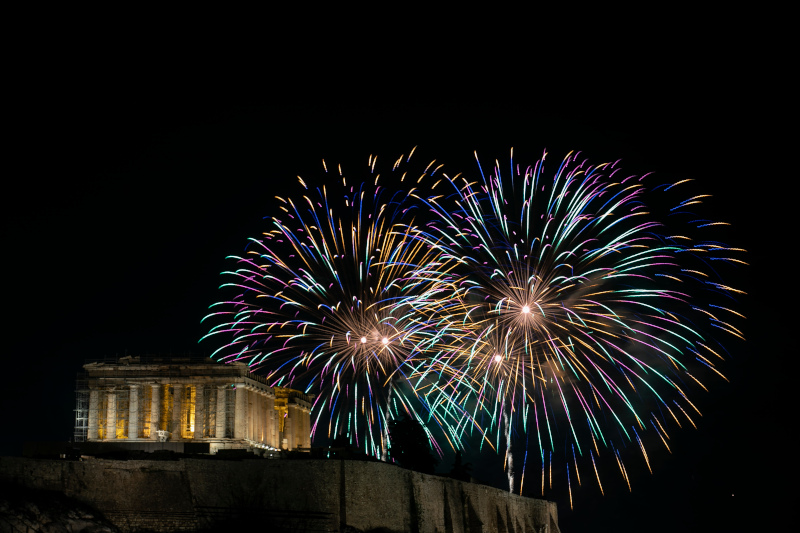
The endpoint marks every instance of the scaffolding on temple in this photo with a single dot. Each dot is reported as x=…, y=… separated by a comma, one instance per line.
x=81, y=407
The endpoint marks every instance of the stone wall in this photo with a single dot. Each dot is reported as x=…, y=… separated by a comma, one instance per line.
x=300, y=495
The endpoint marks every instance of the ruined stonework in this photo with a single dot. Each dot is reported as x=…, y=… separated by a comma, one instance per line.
x=136, y=402
x=281, y=495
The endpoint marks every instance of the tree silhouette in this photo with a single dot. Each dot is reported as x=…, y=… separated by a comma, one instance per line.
x=460, y=471
x=409, y=445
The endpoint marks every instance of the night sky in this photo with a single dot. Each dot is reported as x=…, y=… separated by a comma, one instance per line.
x=136, y=179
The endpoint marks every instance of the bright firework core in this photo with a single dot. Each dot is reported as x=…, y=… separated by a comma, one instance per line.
x=385, y=340
x=363, y=340
x=525, y=309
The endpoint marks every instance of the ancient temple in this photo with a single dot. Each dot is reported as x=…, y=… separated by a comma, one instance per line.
x=137, y=402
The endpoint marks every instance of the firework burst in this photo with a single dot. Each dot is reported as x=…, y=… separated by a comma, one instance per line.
x=585, y=313
x=327, y=300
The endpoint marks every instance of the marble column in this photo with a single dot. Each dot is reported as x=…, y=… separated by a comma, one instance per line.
x=199, y=412
x=288, y=428
x=262, y=423
x=177, y=408
x=262, y=420
x=111, y=415
x=307, y=428
x=254, y=413
x=302, y=431
x=155, y=410
x=94, y=412
x=268, y=412
x=240, y=422
x=272, y=423
x=251, y=410
x=133, y=413
x=221, y=410
x=298, y=426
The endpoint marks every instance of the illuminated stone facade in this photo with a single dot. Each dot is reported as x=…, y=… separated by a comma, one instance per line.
x=177, y=400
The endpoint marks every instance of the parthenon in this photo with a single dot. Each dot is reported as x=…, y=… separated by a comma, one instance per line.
x=138, y=400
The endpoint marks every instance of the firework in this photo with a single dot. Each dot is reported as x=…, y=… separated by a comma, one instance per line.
x=586, y=306
x=327, y=301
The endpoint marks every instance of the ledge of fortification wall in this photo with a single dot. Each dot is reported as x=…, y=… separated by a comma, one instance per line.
x=402, y=500
x=193, y=493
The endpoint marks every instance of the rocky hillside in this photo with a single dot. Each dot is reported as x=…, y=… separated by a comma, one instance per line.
x=29, y=511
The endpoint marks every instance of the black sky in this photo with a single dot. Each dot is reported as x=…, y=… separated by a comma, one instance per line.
x=137, y=176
